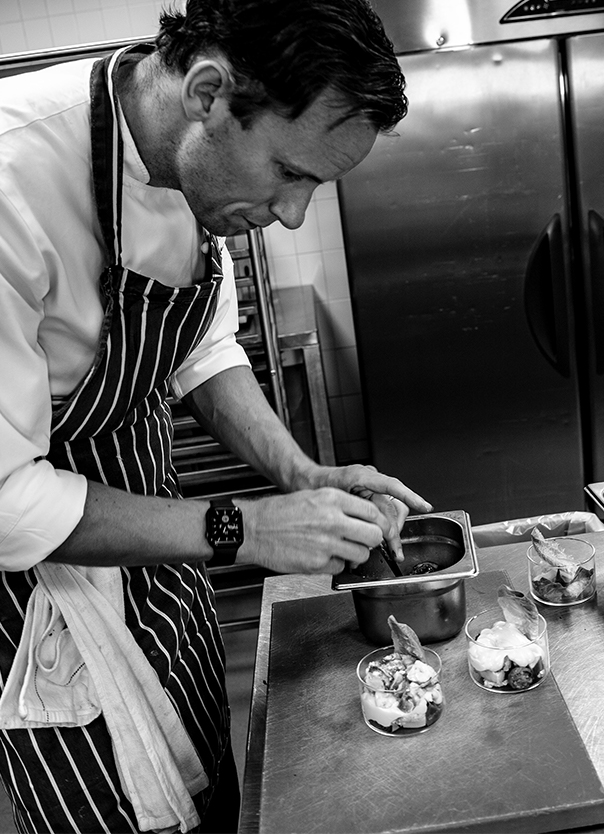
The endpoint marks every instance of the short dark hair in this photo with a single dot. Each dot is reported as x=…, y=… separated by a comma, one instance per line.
x=284, y=53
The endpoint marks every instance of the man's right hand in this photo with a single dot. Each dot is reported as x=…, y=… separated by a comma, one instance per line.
x=310, y=531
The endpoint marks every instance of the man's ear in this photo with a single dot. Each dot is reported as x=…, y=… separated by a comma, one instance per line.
x=206, y=85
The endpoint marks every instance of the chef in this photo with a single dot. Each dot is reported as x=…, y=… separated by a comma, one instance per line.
x=119, y=179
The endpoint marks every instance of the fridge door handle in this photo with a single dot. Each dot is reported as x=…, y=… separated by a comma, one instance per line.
x=595, y=225
x=545, y=297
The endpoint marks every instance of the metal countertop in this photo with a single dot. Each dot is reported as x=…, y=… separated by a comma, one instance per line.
x=573, y=647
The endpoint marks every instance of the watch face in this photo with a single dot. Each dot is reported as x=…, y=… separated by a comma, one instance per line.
x=226, y=526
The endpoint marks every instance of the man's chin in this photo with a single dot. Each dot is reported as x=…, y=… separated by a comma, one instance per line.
x=232, y=225
x=240, y=224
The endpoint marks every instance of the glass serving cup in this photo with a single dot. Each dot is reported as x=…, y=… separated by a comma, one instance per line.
x=411, y=708
x=503, y=659
x=559, y=586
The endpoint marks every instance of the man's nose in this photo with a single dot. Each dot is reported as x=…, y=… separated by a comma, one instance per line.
x=290, y=208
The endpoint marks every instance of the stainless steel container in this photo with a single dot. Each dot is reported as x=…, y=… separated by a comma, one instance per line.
x=426, y=590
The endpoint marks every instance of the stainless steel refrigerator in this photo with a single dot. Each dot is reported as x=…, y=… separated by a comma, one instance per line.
x=475, y=246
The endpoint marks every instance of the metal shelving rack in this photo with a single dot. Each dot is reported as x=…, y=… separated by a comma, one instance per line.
x=205, y=467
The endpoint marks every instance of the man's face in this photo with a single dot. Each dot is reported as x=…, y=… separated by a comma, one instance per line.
x=236, y=179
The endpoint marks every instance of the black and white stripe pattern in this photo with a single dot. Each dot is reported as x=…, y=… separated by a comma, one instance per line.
x=116, y=429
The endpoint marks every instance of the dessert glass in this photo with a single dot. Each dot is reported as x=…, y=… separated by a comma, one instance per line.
x=553, y=585
x=501, y=658
x=411, y=708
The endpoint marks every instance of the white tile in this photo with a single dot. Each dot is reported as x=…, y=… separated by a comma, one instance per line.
x=59, y=7
x=312, y=272
x=34, y=9
x=117, y=23
x=307, y=236
x=64, y=29
x=348, y=371
x=143, y=19
x=330, y=224
x=284, y=272
x=38, y=34
x=279, y=240
x=115, y=4
x=10, y=12
x=160, y=6
x=91, y=26
x=336, y=275
x=12, y=38
x=326, y=191
x=81, y=6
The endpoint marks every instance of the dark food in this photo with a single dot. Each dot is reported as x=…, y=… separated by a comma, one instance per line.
x=561, y=581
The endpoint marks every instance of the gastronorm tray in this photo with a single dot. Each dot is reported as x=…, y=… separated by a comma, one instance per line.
x=596, y=491
x=440, y=540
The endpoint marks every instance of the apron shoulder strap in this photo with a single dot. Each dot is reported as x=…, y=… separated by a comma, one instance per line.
x=108, y=148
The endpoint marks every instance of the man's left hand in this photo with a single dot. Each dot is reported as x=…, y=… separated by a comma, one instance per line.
x=394, y=499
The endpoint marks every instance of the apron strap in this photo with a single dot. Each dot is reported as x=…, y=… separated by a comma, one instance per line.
x=108, y=158
x=108, y=149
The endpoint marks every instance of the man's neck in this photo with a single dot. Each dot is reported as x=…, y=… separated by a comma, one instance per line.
x=146, y=104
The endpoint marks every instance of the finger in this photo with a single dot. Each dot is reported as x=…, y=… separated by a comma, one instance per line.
x=395, y=512
x=364, y=508
x=388, y=508
x=335, y=565
x=353, y=554
x=406, y=496
x=394, y=539
x=368, y=480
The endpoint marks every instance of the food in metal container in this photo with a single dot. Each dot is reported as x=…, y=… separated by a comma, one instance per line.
x=511, y=654
x=561, y=581
x=400, y=690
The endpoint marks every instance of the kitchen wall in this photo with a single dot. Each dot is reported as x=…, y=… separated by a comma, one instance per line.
x=312, y=254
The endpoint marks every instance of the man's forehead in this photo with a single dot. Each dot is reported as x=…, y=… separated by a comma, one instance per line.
x=326, y=134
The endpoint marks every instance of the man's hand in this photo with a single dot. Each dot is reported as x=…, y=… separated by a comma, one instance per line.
x=390, y=495
x=311, y=531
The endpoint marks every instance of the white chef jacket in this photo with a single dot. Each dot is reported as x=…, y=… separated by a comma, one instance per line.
x=51, y=257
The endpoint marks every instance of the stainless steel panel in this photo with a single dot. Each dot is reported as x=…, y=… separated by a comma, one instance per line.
x=586, y=71
x=417, y=25
x=440, y=223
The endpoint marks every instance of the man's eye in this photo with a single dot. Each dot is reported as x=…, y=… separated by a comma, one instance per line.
x=291, y=176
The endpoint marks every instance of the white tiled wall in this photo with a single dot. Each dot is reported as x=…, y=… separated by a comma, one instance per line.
x=313, y=254
x=40, y=24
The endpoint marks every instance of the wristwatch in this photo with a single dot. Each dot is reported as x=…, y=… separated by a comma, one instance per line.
x=224, y=530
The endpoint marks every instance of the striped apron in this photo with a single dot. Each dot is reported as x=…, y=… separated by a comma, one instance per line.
x=116, y=428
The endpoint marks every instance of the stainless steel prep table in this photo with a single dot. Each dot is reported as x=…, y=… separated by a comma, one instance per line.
x=571, y=643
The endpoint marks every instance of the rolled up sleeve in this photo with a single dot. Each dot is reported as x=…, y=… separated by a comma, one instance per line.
x=39, y=507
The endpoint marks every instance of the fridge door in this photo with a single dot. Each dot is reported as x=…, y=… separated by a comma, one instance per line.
x=587, y=100
x=468, y=374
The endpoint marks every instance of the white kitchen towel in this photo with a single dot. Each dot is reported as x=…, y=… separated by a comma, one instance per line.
x=77, y=658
